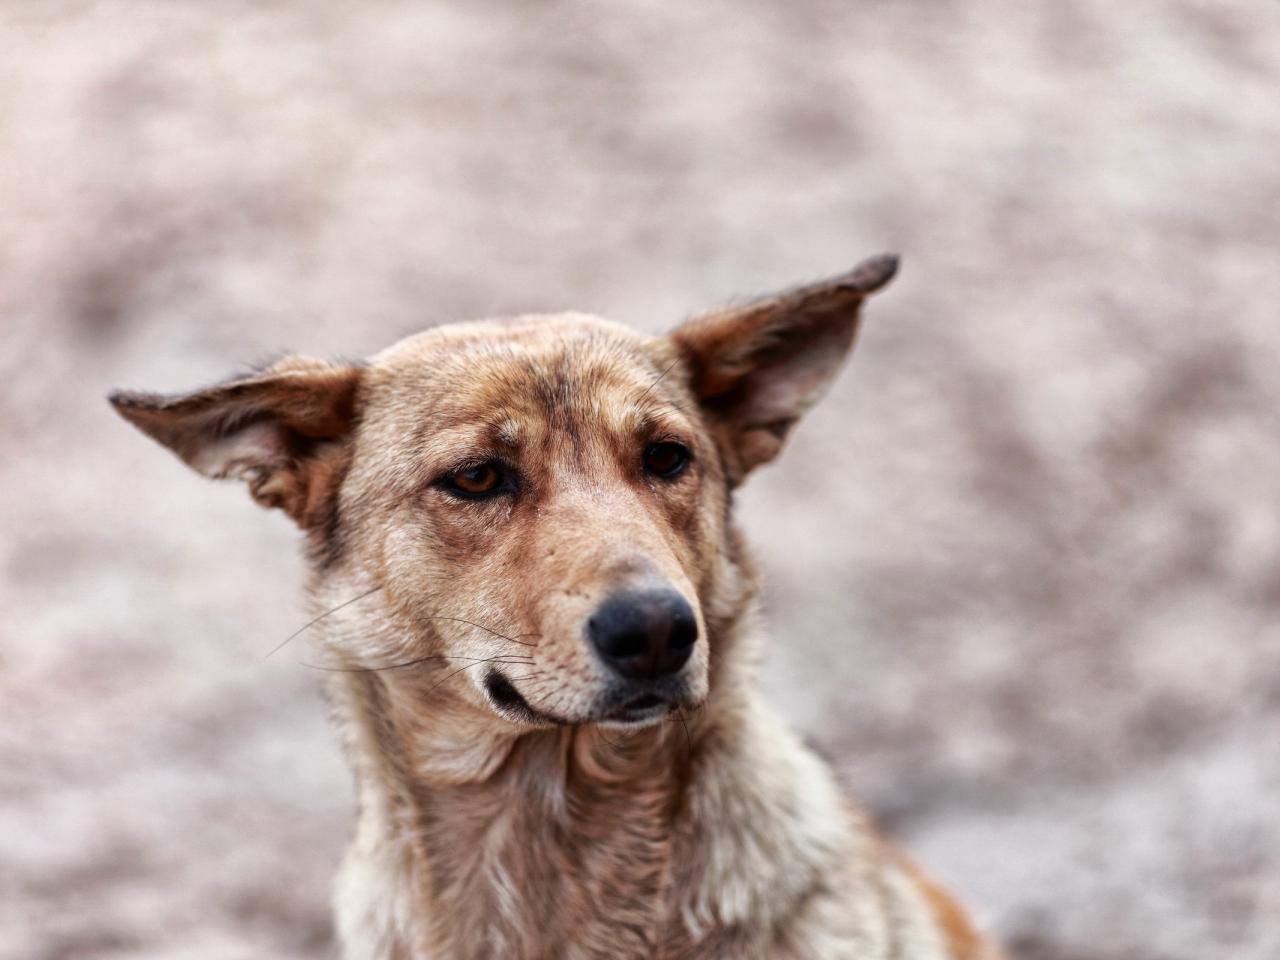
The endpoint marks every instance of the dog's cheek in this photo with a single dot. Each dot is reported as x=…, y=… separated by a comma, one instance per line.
x=701, y=527
x=432, y=554
x=462, y=534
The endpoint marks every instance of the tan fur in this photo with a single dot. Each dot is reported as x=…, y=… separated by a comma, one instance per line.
x=537, y=826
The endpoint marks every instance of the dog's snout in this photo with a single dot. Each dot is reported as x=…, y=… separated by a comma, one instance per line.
x=644, y=634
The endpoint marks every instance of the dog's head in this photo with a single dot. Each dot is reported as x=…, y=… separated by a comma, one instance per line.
x=532, y=512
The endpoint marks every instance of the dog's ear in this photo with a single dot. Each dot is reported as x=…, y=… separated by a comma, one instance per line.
x=757, y=367
x=282, y=430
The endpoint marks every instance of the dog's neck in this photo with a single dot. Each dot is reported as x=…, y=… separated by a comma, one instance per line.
x=476, y=840
x=492, y=838
x=573, y=827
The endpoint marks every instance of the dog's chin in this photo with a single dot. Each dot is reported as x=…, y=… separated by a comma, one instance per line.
x=644, y=704
x=638, y=712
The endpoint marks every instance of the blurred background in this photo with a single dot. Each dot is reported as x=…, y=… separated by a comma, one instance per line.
x=1024, y=562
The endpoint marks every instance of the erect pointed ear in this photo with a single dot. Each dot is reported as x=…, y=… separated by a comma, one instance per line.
x=756, y=368
x=283, y=430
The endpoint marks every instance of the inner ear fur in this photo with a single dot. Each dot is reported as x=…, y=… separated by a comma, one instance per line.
x=283, y=430
x=757, y=367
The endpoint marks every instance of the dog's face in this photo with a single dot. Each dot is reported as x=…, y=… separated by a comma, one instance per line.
x=535, y=509
x=543, y=486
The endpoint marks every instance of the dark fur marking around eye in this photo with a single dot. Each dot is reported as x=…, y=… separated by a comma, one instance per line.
x=483, y=480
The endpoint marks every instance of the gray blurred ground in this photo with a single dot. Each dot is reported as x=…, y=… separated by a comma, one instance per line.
x=1024, y=562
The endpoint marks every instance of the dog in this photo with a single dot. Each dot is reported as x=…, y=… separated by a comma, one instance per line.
x=542, y=629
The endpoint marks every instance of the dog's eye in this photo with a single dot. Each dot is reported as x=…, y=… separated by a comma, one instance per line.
x=667, y=459
x=476, y=482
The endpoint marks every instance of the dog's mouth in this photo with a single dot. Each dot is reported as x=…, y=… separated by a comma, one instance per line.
x=635, y=711
x=508, y=701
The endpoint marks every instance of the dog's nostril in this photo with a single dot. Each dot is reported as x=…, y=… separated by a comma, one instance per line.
x=684, y=629
x=644, y=633
x=617, y=634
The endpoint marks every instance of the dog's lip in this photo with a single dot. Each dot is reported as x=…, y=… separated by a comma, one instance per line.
x=643, y=707
x=644, y=702
x=508, y=700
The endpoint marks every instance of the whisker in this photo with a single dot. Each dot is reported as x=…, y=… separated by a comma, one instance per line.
x=311, y=623
x=522, y=661
x=660, y=378
x=489, y=630
x=688, y=740
x=613, y=744
x=681, y=714
x=454, y=673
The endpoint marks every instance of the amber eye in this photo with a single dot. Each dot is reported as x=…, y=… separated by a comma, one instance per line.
x=667, y=459
x=476, y=482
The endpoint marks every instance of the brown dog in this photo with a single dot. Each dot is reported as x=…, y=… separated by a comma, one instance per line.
x=543, y=630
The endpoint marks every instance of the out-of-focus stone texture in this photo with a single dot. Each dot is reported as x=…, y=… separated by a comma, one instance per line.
x=1024, y=561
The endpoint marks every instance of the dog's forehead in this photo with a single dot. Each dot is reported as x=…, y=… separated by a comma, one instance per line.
x=510, y=371
x=532, y=333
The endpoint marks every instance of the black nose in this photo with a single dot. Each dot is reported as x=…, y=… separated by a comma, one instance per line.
x=644, y=634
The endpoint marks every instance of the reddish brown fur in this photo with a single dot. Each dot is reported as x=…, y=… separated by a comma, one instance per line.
x=537, y=823
x=961, y=936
